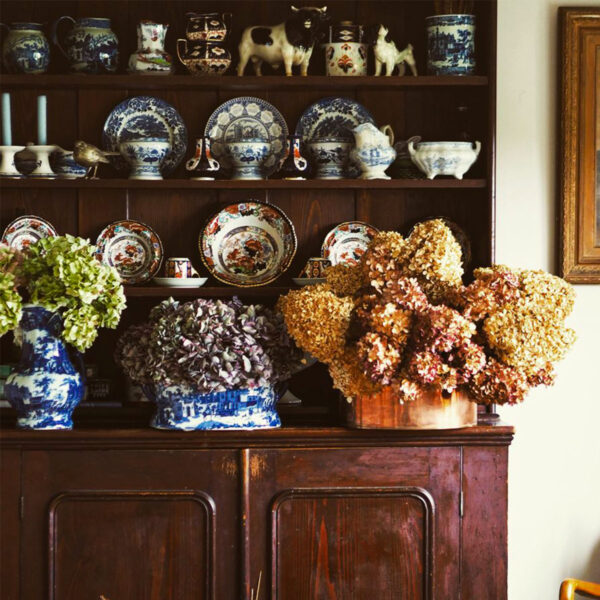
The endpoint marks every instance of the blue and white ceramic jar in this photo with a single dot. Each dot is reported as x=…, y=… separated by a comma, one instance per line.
x=247, y=158
x=330, y=157
x=451, y=44
x=90, y=46
x=180, y=407
x=25, y=49
x=145, y=156
x=44, y=387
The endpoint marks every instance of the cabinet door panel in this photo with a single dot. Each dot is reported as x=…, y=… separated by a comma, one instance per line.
x=130, y=524
x=355, y=523
x=357, y=543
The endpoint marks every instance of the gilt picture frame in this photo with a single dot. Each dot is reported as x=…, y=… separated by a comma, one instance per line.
x=579, y=149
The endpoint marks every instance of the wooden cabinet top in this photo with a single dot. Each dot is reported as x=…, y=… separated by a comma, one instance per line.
x=290, y=437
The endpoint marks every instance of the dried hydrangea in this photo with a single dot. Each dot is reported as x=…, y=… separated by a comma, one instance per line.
x=212, y=346
x=349, y=377
x=131, y=353
x=318, y=320
x=11, y=304
x=491, y=289
x=380, y=357
x=431, y=254
x=434, y=259
x=442, y=351
x=497, y=383
x=62, y=274
x=345, y=280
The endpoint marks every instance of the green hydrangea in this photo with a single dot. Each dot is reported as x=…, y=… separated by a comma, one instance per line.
x=62, y=274
x=10, y=303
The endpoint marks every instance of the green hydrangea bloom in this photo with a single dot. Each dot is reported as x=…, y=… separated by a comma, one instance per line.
x=10, y=303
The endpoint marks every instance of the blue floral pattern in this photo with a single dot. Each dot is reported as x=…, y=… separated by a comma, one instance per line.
x=451, y=44
x=143, y=117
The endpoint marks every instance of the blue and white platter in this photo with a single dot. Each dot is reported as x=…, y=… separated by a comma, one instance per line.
x=143, y=117
x=247, y=118
x=332, y=118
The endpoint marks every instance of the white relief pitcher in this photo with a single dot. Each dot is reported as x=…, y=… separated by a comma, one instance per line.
x=374, y=151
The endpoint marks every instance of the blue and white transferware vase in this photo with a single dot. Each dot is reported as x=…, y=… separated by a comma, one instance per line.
x=25, y=49
x=374, y=151
x=180, y=407
x=44, y=387
x=91, y=45
x=451, y=44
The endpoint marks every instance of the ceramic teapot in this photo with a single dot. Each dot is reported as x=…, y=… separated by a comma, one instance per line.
x=374, y=151
x=207, y=27
x=90, y=46
x=25, y=48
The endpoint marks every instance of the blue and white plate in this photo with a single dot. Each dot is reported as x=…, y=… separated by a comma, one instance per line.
x=247, y=118
x=144, y=117
x=332, y=118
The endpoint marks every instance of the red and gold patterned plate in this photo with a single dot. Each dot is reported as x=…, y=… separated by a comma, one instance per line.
x=133, y=248
x=248, y=244
x=27, y=230
x=347, y=242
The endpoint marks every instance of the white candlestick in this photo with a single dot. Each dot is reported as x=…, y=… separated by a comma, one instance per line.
x=42, y=137
x=6, y=125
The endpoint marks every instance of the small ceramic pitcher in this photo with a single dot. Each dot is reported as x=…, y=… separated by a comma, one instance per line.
x=25, y=49
x=91, y=46
x=374, y=151
x=150, y=56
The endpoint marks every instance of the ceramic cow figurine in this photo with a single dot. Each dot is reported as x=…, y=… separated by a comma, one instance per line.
x=290, y=43
x=386, y=53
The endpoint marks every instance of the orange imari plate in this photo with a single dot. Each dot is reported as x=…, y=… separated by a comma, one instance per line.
x=347, y=242
x=248, y=244
x=134, y=249
x=27, y=230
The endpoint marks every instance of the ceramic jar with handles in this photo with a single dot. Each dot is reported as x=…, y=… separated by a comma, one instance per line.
x=25, y=49
x=345, y=54
x=90, y=46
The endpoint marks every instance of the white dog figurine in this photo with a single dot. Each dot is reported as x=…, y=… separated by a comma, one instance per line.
x=387, y=54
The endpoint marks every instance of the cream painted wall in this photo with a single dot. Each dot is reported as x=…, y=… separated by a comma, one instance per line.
x=554, y=473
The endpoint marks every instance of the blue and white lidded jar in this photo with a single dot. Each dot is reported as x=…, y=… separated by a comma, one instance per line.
x=451, y=44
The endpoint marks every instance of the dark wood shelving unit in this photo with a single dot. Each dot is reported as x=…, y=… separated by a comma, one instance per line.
x=109, y=509
x=234, y=83
x=209, y=291
x=440, y=183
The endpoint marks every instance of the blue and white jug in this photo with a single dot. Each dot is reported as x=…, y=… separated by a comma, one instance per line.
x=90, y=46
x=25, y=49
x=374, y=151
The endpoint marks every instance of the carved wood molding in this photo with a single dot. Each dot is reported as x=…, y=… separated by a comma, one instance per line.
x=205, y=501
x=579, y=260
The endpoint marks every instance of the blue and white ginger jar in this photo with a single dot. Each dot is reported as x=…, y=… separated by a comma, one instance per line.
x=180, y=407
x=44, y=388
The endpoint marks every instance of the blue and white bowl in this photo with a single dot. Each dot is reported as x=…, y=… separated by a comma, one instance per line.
x=247, y=157
x=451, y=44
x=180, y=407
x=330, y=157
x=145, y=157
x=65, y=166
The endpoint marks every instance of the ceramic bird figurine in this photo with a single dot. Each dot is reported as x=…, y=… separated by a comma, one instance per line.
x=89, y=156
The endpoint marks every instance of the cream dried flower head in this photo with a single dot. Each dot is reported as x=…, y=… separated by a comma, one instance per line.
x=318, y=320
x=345, y=280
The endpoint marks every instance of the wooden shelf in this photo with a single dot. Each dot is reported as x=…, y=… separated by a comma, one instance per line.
x=158, y=291
x=232, y=82
x=268, y=184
